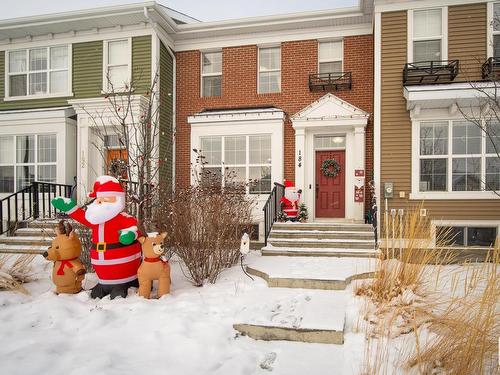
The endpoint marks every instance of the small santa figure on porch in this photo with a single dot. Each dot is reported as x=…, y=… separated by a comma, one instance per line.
x=290, y=200
x=115, y=253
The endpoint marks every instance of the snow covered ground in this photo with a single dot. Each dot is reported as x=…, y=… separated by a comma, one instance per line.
x=187, y=332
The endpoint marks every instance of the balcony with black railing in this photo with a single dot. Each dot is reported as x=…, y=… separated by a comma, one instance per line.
x=330, y=81
x=491, y=69
x=430, y=72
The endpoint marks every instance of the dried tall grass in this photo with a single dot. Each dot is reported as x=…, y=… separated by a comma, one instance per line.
x=14, y=273
x=466, y=325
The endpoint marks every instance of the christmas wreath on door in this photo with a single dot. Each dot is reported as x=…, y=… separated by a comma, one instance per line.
x=330, y=168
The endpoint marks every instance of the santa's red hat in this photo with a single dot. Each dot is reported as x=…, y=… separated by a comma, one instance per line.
x=289, y=184
x=106, y=186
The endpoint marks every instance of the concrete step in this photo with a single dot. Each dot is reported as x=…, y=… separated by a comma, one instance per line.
x=322, y=243
x=313, y=316
x=34, y=232
x=351, y=227
x=21, y=249
x=26, y=241
x=319, y=252
x=48, y=224
x=325, y=273
x=355, y=235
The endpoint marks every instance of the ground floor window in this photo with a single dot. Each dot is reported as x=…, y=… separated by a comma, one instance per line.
x=468, y=235
x=459, y=156
x=239, y=159
x=27, y=158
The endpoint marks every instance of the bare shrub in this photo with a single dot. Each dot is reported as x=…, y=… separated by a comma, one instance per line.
x=204, y=223
x=85, y=236
x=466, y=325
x=13, y=274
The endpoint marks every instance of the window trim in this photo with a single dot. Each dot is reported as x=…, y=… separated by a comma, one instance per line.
x=466, y=224
x=105, y=65
x=69, y=89
x=247, y=165
x=443, y=37
x=210, y=74
x=490, y=30
x=328, y=61
x=449, y=193
x=35, y=164
x=259, y=48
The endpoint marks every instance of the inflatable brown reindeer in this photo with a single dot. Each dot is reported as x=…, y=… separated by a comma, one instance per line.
x=153, y=266
x=68, y=271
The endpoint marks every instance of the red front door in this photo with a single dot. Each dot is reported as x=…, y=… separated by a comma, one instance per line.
x=330, y=191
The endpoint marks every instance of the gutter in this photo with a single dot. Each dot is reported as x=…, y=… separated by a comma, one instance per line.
x=167, y=43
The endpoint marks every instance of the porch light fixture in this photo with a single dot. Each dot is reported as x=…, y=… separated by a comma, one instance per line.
x=338, y=139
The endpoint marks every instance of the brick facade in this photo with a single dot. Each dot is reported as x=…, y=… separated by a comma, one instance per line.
x=239, y=89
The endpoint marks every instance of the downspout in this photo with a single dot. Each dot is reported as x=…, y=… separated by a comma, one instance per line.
x=159, y=32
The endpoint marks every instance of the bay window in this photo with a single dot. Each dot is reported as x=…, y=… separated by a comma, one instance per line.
x=427, y=35
x=27, y=158
x=330, y=57
x=38, y=71
x=458, y=156
x=211, y=74
x=239, y=160
x=117, y=64
x=269, y=70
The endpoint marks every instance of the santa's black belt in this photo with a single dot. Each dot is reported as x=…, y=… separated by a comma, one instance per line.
x=103, y=246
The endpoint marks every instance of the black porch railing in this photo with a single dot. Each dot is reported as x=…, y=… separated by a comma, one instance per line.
x=372, y=211
x=330, y=81
x=31, y=202
x=428, y=72
x=491, y=68
x=272, y=208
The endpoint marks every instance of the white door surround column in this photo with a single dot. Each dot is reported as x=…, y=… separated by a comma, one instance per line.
x=331, y=116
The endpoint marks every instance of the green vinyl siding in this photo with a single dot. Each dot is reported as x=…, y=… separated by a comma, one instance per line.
x=87, y=63
x=141, y=63
x=166, y=117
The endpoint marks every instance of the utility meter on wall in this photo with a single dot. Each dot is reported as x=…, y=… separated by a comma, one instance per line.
x=388, y=189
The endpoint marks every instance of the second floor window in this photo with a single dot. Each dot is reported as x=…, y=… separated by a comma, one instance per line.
x=496, y=30
x=269, y=70
x=117, y=60
x=427, y=35
x=38, y=71
x=211, y=73
x=330, y=57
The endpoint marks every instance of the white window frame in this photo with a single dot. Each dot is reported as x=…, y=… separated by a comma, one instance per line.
x=35, y=164
x=67, y=93
x=105, y=64
x=449, y=193
x=466, y=224
x=259, y=48
x=202, y=75
x=490, y=11
x=328, y=61
x=247, y=165
x=443, y=37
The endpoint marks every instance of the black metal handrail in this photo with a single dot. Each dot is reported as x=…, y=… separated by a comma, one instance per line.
x=331, y=81
x=491, y=68
x=31, y=202
x=271, y=208
x=424, y=72
x=372, y=211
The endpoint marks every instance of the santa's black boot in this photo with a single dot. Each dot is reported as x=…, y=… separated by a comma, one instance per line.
x=121, y=290
x=99, y=291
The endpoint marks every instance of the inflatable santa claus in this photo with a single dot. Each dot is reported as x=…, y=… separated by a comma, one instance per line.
x=115, y=253
x=290, y=200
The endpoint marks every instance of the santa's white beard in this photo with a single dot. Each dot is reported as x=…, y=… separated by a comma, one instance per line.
x=291, y=194
x=100, y=213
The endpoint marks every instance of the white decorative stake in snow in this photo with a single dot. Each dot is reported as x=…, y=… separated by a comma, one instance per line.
x=245, y=244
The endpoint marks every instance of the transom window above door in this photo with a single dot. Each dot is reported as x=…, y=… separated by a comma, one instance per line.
x=239, y=159
x=459, y=156
x=330, y=57
x=211, y=73
x=38, y=71
x=328, y=142
x=427, y=35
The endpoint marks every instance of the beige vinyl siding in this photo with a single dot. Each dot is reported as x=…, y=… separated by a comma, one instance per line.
x=141, y=62
x=467, y=25
x=166, y=119
x=396, y=134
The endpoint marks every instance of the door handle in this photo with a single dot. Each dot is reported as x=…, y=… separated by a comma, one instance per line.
x=317, y=190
